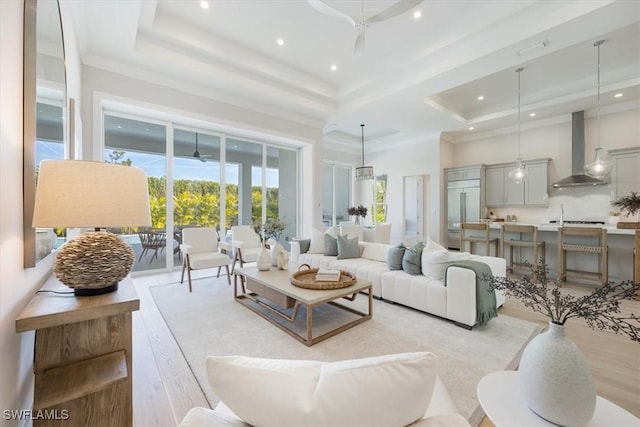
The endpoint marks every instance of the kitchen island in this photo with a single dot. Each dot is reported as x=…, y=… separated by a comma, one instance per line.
x=620, y=242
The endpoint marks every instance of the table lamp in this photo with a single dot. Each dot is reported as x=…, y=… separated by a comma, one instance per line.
x=81, y=194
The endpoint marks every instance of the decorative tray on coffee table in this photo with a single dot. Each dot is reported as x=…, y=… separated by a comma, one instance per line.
x=307, y=279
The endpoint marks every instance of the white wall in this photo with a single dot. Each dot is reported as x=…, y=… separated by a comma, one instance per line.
x=17, y=285
x=420, y=158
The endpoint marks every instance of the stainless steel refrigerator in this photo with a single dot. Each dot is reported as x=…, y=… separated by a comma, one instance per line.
x=463, y=205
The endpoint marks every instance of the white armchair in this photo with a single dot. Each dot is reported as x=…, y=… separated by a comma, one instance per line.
x=246, y=244
x=200, y=249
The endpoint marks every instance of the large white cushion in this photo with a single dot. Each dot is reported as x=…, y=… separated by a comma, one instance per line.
x=435, y=262
x=376, y=251
x=317, y=239
x=391, y=390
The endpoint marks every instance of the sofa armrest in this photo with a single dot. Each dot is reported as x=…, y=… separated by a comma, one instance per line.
x=461, y=295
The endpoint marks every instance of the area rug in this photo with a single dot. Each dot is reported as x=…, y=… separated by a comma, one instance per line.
x=209, y=322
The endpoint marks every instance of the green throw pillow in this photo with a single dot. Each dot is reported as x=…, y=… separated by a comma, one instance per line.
x=412, y=259
x=305, y=244
x=348, y=247
x=330, y=245
x=394, y=257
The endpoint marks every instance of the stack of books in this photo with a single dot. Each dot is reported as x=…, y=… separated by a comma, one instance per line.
x=326, y=275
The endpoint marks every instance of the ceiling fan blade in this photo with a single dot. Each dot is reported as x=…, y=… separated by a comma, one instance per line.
x=394, y=10
x=358, y=47
x=329, y=11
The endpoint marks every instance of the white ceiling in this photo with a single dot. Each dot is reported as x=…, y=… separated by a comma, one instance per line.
x=416, y=77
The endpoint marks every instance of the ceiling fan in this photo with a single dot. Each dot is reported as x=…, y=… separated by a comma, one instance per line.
x=362, y=25
x=197, y=155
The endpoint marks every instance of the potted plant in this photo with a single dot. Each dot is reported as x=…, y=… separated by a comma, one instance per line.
x=271, y=229
x=631, y=205
x=554, y=377
x=358, y=211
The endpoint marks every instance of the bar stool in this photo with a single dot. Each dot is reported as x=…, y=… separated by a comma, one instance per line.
x=532, y=243
x=601, y=249
x=486, y=239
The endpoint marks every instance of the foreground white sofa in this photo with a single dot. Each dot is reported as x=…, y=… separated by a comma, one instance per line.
x=456, y=301
x=391, y=390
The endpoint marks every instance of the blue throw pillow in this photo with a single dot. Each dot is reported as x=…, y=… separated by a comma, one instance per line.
x=330, y=245
x=412, y=259
x=348, y=247
x=394, y=257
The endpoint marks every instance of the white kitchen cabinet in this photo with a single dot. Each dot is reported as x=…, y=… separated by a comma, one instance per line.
x=494, y=179
x=500, y=191
x=463, y=173
x=625, y=173
x=535, y=187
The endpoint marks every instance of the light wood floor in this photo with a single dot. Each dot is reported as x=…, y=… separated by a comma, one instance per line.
x=164, y=388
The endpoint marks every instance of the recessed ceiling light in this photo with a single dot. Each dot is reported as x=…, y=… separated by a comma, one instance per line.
x=280, y=42
x=481, y=97
x=204, y=4
x=471, y=128
x=119, y=127
x=532, y=114
x=618, y=95
x=334, y=67
x=417, y=14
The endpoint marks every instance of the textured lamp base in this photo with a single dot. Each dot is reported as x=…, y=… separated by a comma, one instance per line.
x=93, y=263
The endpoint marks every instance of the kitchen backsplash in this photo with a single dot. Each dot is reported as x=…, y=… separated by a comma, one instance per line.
x=592, y=203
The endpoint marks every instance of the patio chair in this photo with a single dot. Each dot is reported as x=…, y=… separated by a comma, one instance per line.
x=246, y=244
x=200, y=249
x=151, y=241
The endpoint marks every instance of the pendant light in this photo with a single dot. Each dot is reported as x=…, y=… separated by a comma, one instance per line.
x=363, y=172
x=518, y=174
x=600, y=166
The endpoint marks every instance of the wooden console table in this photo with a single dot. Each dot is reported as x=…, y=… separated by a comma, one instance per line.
x=82, y=360
x=636, y=261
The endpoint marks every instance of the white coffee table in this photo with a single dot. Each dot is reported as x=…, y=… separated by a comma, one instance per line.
x=500, y=397
x=275, y=286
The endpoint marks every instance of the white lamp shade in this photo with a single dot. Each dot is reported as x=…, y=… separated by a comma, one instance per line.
x=81, y=193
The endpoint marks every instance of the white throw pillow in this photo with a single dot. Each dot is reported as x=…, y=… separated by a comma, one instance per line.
x=435, y=262
x=376, y=251
x=391, y=390
x=433, y=246
x=317, y=242
x=317, y=239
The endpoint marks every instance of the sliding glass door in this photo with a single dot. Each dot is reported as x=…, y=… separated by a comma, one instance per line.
x=211, y=180
x=143, y=144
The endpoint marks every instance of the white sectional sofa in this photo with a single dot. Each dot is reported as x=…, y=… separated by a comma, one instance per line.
x=425, y=292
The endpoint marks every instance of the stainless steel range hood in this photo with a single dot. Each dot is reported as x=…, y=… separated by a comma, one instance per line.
x=577, y=178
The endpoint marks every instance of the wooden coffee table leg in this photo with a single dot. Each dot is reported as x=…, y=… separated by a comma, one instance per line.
x=309, y=325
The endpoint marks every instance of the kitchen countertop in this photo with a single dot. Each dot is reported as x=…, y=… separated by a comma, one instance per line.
x=611, y=229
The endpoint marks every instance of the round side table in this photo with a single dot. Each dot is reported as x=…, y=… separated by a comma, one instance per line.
x=500, y=397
